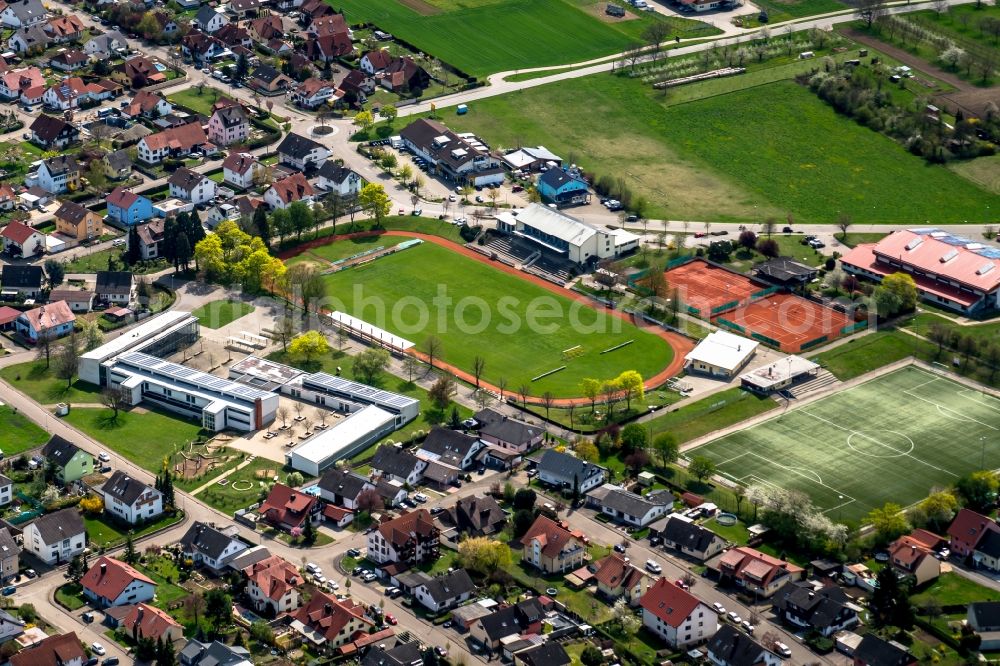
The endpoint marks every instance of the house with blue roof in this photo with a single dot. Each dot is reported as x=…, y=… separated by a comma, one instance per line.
x=128, y=208
x=563, y=188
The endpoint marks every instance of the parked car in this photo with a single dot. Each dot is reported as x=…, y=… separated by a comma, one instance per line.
x=391, y=619
x=782, y=650
x=735, y=617
x=103, y=455
x=97, y=648
x=653, y=567
x=517, y=188
x=110, y=661
x=436, y=510
x=88, y=617
x=9, y=590
x=353, y=552
x=719, y=608
x=313, y=568
x=420, y=497
x=93, y=661
x=816, y=244
x=31, y=573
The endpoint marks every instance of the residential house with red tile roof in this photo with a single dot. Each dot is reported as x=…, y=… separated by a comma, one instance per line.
x=111, y=582
x=757, y=572
x=966, y=531
x=148, y=105
x=913, y=554
x=67, y=28
x=145, y=621
x=229, y=124
x=552, y=547
x=617, y=578
x=403, y=74
x=374, y=62
x=283, y=193
x=138, y=72
x=240, y=169
x=327, y=623
x=273, y=583
x=15, y=81
x=288, y=509
x=174, y=141
x=676, y=615
x=313, y=93
x=410, y=539
x=21, y=240
x=59, y=650
x=52, y=321
x=328, y=47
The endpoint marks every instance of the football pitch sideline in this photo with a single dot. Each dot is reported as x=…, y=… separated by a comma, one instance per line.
x=892, y=438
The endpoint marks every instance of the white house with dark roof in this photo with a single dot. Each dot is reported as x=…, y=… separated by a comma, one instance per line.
x=208, y=546
x=210, y=20
x=21, y=281
x=394, y=463
x=9, y=561
x=117, y=287
x=189, y=185
x=449, y=447
x=508, y=433
x=6, y=490
x=131, y=500
x=342, y=487
x=731, y=647
x=628, y=507
x=240, y=169
x=562, y=470
x=339, y=180
x=23, y=13
x=445, y=591
x=55, y=538
x=688, y=537
x=302, y=153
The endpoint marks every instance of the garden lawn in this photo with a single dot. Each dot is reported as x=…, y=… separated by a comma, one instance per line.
x=227, y=500
x=732, y=170
x=41, y=385
x=70, y=595
x=199, y=103
x=143, y=436
x=105, y=532
x=91, y=263
x=711, y=413
x=983, y=171
x=514, y=34
x=519, y=328
x=950, y=589
x=162, y=571
x=216, y=314
x=19, y=434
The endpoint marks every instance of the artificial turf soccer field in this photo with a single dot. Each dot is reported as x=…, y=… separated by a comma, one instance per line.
x=405, y=282
x=892, y=438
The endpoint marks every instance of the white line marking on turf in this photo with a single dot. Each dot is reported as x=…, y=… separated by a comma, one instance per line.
x=957, y=414
x=969, y=394
x=872, y=439
x=796, y=470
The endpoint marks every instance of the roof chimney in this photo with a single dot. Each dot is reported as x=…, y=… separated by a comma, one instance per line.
x=104, y=568
x=328, y=608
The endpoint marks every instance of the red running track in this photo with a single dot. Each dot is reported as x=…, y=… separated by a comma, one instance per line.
x=678, y=343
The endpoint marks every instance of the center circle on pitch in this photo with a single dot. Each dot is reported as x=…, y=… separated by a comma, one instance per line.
x=880, y=443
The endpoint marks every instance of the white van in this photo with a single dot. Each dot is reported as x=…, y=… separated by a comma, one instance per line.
x=653, y=566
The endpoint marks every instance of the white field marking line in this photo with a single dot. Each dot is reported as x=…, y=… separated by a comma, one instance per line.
x=968, y=394
x=870, y=438
x=796, y=470
x=957, y=414
x=960, y=419
x=726, y=462
x=842, y=504
x=763, y=482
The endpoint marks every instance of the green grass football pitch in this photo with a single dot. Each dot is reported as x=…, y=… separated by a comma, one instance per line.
x=519, y=328
x=890, y=439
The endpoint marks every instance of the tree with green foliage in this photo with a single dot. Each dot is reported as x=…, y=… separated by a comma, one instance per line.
x=309, y=533
x=55, y=272
x=130, y=556
x=586, y=450
x=374, y=199
x=522, y=522
x=68, y=359
x=441, y=391
x=370, y=364
x=591, y=389
x=75, y=569
x=524, y=499
x=701, y=467
x=978, y=490
x=389, y=112
x=904, y=288
x=666, y=448
x=242, y=68
x=261, y=632
x=483, y=554
x=309, y=346
x=634, y=437
x=888, y=521
x=591, y=656
x=218, y=608
x=261, y=226
x=631, y=386
x=306, y=283
x=301, y=217
x=890, y=603
x=165, y=655
x=365, y=120
x=938, y=509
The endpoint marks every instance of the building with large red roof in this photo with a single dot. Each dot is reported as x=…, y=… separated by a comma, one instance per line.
x=676, y=615
x=950, y=271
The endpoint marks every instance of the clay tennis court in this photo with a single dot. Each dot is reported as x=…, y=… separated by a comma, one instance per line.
x=704, y=286
x=790, y=320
